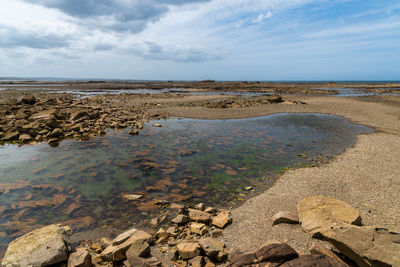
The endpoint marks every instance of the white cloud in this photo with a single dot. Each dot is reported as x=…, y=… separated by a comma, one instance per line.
x=262, y=17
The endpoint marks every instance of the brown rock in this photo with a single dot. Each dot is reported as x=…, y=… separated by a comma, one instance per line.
x=80, y=258
x=198, y=261
x=313, y=260
x=188, y=250
x=244, y=260
x=181, y=219
x=318, y=212
x=141, y=262
x=222, y=219
x=139, y=248
x=284, y=217
x=367, y=246
x=211, y=247
x=318, y=249
x=198, y=228
x=199, y=216
x=277, y=253
x=200, y=206
x=10, y=136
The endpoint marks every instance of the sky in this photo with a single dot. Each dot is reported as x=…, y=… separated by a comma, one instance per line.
x=201, y=39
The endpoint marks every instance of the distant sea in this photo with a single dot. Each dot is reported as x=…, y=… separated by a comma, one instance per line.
x=57, y=79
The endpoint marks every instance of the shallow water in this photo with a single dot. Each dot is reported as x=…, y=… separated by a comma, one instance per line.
x=186, y=161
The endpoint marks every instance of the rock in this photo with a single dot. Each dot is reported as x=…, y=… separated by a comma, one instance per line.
x=318, y=212
x=80, y=258
x=116, y=252
x=197, y=261
x=248, y=188
x=275, y=99
x=244, y=260
x=366, y=245
x=199, y=216
x=78, y=115
x=10, y=136
x=41, y=247
x=198, y=228
x=161, y=202
x=132, y=197
x=188, y=250
x=29, y=100
x=216, y=233
x=210, y=210
x=133, y=132
x=200, y=206
x=141, y=262
x=25, y=138
x=177, y=206
x=157, y=125
x=222, y=219
x=162, y=233
x=318, y=249
x=276, y=253
x=181, y=219
x=284, y=217
x=57, y=132
x=313, y=260
x=139, y=248
x=211, y=247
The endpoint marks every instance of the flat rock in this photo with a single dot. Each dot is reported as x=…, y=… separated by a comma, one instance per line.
x=188, y=250
x=199, y=216
x=318, y=212
x=198, y=261
x=132, y=197
x=313, y=260
x=11, y=136
x=181, y=219
x=139, y=248
x=198, y=228
x=41, y=247
x=285, y=217
x=80, y=258
x=366, y=245
x=222, y=219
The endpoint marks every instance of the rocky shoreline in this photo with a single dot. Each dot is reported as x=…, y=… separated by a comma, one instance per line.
x=191, y=239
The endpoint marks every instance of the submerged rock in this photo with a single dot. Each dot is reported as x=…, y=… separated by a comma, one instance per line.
x=42, y=247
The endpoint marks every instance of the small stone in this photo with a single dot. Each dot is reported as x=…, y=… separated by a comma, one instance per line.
x=157, y=125
x=181, y=219
x=172, y=230
x=198, y=228
x=222, y=219
x=197, y=261
x=211, y=247
x=161, y=202
x=200, y=206
x=11, y=136
x=216, y=233
x=162, y=233
x=188, y=250
x=199, y=216
x=80, y=258
x=248, y=188
x=132, y=197
x=25, y=138
x=133, y=132
x=210, y=210
x=284, y=217
x=140, y=248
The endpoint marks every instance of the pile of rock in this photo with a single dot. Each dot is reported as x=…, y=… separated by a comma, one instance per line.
x=53, y=119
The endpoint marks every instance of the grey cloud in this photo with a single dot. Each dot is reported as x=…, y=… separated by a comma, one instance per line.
x=155, y=51
x=10, y=37
x=130, y=15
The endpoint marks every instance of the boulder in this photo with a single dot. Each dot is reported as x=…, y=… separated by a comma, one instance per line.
x=41, y=247
x=366, y=245
x=188, y=250
x=222, y=219
x=80, y=258
x=284, y=217
x=318, y=212
x=199, y=216
x=313, y=260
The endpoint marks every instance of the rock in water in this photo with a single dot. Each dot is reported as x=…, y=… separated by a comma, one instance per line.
x=42, y=247
x=366, y=245
x=318, y=212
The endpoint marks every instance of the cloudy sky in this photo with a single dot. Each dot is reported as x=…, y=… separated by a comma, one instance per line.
x=201, y=39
